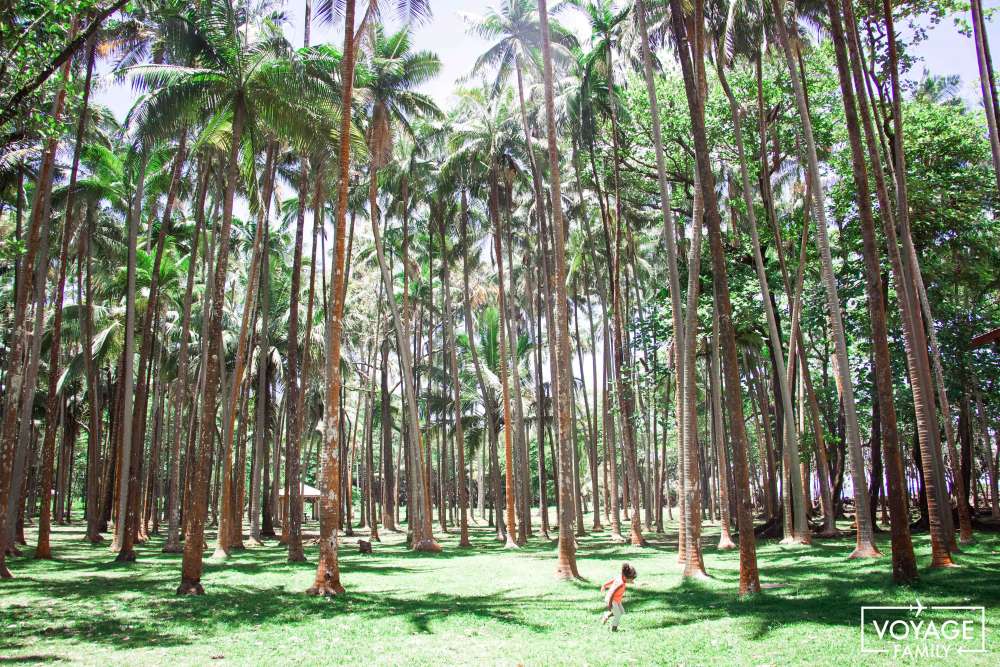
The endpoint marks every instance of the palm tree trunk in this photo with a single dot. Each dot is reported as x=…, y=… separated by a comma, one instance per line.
x=543, y=496
x=138, y=423
x=939, y=519
x=52, y=399
x=124, y=478
x=508, y=422
x=566, y=567
x=749, y=578
x=463, y=489
x=865, y=531
x=798, y=532
x=904, y=566
x=262, y=399
x=94, y=428
x=194, y=542
x=418, y=511
x=173, y=544
x=20, y=377
x=719, y=436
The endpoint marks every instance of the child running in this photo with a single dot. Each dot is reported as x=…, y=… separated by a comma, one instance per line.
x=615, y=593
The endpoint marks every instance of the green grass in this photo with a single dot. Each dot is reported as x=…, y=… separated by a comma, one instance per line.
x=484, y=605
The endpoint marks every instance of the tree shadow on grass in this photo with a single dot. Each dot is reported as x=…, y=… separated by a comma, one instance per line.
x=160, y=618
x=134, y=606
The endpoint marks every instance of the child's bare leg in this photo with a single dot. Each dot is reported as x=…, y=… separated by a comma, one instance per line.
x=616, y=611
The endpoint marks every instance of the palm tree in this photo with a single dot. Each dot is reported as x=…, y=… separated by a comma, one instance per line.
x=20, y=376
x=247, y=78
x=917, y=357
x=608, y=26
x=904, y=567
x=328, y=572
x=566, y=565
x=749, y=578
x=865, y=530
x=51, y=403
x=392, y=71
x=797, y=530
x=676, y=312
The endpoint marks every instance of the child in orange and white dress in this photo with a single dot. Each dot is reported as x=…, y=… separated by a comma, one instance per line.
x=615, y=594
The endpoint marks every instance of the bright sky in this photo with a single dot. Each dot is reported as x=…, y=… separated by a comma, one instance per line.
x=944, y=52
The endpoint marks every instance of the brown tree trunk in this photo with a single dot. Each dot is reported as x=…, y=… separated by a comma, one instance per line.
x=194, y=539
x=749, y=578
x=904, y=568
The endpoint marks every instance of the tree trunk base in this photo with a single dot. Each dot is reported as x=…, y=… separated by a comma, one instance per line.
x=866, y=551
x=428, y=545
x=220, y=554
x=43, y=552
x=172, y=548
x=637, y=540
x=326, y=590
x=597, y=527
x=255, y=542
x=567, y=572
x=297, y=557
x=725, y=543
x=616, y=537
x=511, y=544
x=942, y=562
x=696, y=573
x=189, y=587
x=125, y=556
x=96, y=538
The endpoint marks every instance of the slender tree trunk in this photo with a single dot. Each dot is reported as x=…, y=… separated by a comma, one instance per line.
x=719, y=438
x=865, y=531
x=566, y=567
x=798, y=532
x=508, y=422
x=173, y=544
x=44, y=549
x=749, y=579
x=904, y=567
x=418, y=509
x=19, y=380
x=194, y=540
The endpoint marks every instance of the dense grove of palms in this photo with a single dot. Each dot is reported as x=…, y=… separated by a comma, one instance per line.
x=688, y=261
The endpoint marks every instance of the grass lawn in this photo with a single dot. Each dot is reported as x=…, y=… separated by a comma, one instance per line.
x=484, y=605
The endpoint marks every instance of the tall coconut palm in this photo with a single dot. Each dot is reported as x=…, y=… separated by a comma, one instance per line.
x=798, y=529
x=393, y=70
x=904, y=567
x=670, y=238
x=865, y=530
x=248, y=78
x=566, y=564
x=749, y=578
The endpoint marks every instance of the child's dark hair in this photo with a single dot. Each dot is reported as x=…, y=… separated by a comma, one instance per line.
x=628, y=572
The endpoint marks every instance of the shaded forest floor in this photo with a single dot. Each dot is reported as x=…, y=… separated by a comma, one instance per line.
x=484, y=605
